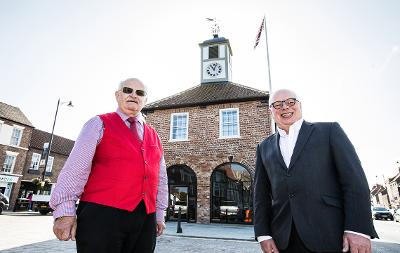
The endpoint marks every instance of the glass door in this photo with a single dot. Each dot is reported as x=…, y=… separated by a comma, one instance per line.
x=178, y=200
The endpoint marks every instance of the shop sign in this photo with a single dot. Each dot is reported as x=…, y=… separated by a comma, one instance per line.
x=8, y=179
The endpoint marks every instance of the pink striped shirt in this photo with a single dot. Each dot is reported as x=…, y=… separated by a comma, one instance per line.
x=76, y=170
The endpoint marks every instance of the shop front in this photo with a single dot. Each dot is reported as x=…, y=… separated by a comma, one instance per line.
x=6, y=184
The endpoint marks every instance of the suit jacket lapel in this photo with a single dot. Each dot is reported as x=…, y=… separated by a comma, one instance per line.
x=305, y=132
x=277, y=151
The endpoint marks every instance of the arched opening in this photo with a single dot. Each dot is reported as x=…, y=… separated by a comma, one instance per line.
x=231, y=194
x=182, y=187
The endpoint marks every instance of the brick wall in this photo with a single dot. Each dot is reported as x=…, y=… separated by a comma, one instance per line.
x=58, y=164
x=22, y=151
x=204, y=151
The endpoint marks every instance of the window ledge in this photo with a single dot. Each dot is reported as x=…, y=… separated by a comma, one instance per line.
x=229, y=137
x=177, y=140
x=19, y=147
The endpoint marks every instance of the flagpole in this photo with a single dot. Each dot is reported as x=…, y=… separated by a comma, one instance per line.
x=266, y=42
x=273, y=125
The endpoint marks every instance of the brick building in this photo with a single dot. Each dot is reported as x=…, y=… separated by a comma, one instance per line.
x=21, y=150
x=209, y=135
x=379, y=196
x=15, y=135
x=33, y=168
x=393, y=185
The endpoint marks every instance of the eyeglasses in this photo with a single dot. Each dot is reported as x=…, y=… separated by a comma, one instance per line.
x=279, y=104
x=140, y=93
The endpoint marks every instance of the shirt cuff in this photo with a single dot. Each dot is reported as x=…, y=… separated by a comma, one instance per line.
x=263, y=238
x=65, y=209
x=160, y=215
x=360, y=234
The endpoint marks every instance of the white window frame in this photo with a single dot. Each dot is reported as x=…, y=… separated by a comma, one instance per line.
x=14, y=156
x=186, y=114
x=21, y=129
x=35, y=161
x=50, y=162
x=221, y=123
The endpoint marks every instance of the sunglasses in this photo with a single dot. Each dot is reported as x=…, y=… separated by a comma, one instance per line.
x=140, y=93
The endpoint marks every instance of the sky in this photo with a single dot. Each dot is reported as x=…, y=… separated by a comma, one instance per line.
x=342, y=57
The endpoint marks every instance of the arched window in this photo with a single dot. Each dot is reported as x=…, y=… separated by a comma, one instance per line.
x=182, y=187
x=231, y=190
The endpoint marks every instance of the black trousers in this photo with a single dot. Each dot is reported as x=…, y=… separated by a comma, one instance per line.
x=296, y=245
x=104, y=229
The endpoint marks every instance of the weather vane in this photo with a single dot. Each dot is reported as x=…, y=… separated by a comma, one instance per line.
x=214, y=26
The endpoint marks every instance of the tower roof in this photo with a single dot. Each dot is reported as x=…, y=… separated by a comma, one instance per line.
x=208, y=94
x=217, y=40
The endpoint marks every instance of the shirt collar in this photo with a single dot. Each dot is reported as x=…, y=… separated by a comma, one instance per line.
x=125, y=117
x=295, y=127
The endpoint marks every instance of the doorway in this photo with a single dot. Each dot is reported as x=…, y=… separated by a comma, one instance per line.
x=182, y=186
x=179, y=202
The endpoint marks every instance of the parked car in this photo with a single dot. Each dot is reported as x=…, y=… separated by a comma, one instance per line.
x=397, y=215
x=381, y=213
x=229, y=208
x=3, y=202
x=182, y=205
x=42, y=203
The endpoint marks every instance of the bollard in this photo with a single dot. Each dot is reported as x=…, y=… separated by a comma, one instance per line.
x=179, y=228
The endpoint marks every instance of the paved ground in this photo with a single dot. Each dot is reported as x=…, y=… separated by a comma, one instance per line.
x=32, y=234
x=168, y=243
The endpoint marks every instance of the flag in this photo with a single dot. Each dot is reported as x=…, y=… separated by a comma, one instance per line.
x=259, y=33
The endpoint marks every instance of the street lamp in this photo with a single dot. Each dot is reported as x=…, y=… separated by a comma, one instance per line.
x=47, y=153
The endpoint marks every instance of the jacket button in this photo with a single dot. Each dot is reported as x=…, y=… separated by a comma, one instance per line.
x=145, y=162
x=291, y=195
x=145, y=177
x=288, y=175
x=144, y=193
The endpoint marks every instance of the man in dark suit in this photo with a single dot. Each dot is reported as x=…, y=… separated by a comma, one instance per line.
x=311, y=193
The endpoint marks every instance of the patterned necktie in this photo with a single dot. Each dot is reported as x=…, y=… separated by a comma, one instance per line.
x=133, y=127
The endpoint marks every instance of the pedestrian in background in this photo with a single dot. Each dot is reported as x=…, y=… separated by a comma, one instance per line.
x=117, y=169
x=311, y=193
x=30, y=203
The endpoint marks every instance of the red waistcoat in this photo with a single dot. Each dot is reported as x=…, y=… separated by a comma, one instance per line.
x=124, y=170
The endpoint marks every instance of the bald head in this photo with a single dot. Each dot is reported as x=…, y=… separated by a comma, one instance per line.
x=131, y=96
x=279, y=93
x=285, y=108
x=131, y=80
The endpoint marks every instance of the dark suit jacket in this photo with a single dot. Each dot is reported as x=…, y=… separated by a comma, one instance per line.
x=323, y=192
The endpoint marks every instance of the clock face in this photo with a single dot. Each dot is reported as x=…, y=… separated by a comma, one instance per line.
x=214, y=69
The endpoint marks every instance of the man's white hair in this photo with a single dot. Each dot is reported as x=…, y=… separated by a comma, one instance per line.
x=121, y=84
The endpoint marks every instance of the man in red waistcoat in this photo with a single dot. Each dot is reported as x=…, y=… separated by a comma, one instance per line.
x=118, y=172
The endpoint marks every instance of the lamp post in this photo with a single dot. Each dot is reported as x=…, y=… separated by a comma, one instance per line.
x=47, y=153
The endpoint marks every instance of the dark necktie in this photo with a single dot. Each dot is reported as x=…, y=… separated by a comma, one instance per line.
x=133, y=127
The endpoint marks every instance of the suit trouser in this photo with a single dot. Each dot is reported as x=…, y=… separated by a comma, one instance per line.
x=296, y=245
x=104, y=229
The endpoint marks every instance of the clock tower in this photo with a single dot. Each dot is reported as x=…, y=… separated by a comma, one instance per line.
x=216, y=56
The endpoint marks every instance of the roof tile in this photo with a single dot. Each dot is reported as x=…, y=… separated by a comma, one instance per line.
x=14, y=114
x=207, y=94
x=60, y=144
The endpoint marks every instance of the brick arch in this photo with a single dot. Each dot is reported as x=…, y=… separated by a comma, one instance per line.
x=182, y=182
x=232, y=193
